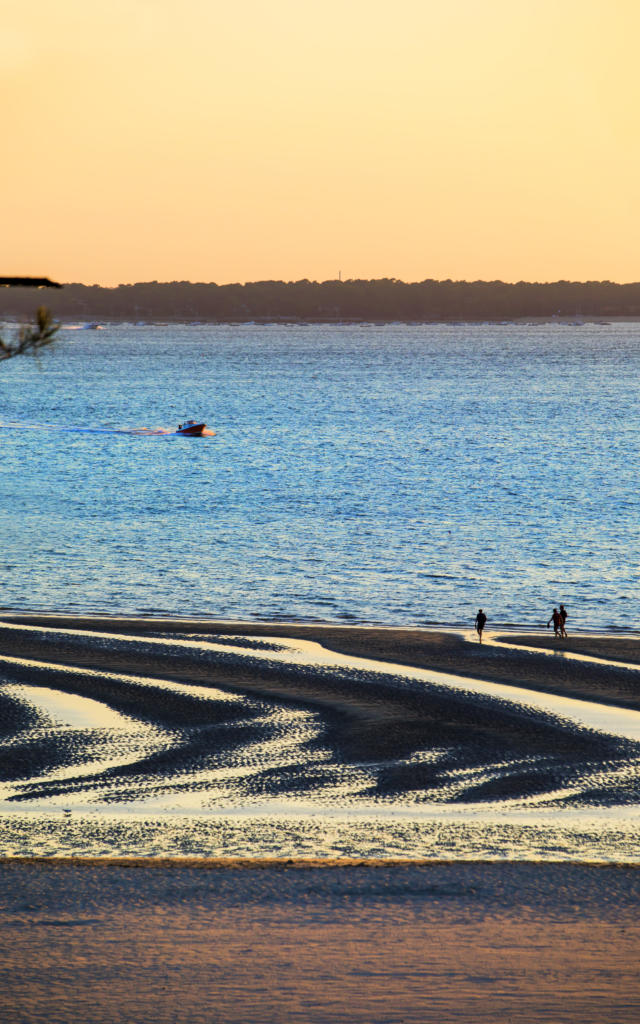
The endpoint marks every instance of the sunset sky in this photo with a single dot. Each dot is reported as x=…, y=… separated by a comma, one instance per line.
x=208, y=141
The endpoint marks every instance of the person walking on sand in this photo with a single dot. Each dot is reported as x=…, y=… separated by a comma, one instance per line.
x=563, y=620
x=556, y=618
x=481, y=619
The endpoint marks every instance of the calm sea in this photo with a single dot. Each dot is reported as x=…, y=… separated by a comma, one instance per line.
x=390, y=474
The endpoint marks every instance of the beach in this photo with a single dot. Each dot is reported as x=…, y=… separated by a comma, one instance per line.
x=272, y=942
x=205, y=718
x=229, y=821
x=437, y=649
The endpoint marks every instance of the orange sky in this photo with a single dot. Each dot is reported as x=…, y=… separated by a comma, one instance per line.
x=196, y=140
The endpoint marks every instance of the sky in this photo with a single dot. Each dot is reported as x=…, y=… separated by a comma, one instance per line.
x=278, y=139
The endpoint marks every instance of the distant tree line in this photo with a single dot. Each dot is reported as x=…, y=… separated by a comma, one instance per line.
x=382, y=300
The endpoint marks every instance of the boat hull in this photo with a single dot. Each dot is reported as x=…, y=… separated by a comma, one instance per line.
x=192, y=430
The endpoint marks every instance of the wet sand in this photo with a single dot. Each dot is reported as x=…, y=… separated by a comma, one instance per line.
x=308, y=941
x=440, y=650
x=612, y=646
x=241, y=714
x=271, y=943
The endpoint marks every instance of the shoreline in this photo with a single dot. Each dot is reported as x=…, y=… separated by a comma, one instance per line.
x=564, y=320
x=310, y=863
x=608, y=678
x=38, y=616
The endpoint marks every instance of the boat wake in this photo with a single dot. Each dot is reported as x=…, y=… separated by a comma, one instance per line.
x=127, y=431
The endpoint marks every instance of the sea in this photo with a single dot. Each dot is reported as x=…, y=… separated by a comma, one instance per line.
x=391, y=474
x=400, y=475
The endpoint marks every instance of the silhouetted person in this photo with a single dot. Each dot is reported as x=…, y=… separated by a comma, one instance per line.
x=563, y=619
x=481, y=619
x=556, y=618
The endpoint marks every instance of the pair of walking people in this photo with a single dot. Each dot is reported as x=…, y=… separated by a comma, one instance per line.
x=559, y=619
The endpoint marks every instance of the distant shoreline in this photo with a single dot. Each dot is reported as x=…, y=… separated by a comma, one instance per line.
x=343, y=322
x=69, y=321
x=382, y=301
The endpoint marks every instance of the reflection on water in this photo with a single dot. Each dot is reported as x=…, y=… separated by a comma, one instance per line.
x=255, y=746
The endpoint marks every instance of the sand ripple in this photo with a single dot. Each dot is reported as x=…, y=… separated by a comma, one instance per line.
x=193, y=723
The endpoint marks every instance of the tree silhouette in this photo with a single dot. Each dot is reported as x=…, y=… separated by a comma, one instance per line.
x=31, y=339
x=384, y=300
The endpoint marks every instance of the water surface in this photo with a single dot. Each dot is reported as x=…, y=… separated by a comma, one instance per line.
x=401, y=474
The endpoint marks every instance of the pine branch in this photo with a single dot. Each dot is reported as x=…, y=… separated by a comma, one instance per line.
x=32, y=338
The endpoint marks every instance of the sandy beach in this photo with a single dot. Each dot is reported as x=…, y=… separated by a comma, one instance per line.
x=120, y=710
x=441, y=650
x=272, y=942
x=101, y=715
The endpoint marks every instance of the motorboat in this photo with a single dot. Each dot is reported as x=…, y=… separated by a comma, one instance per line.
x=191, y=429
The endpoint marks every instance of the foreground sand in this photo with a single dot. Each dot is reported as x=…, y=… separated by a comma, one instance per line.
x=275, y=943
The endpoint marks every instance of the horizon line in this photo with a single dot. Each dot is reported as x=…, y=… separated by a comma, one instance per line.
x=357, y=280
